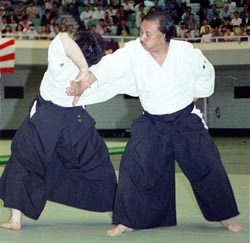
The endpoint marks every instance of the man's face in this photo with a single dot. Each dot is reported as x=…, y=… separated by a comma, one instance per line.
x=150, y=36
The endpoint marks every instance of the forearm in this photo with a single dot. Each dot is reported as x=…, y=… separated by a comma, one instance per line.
x=92, y=78
x=73, y=51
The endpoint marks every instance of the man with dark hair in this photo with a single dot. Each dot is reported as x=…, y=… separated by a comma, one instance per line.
x=168, y=76
x=57, y=153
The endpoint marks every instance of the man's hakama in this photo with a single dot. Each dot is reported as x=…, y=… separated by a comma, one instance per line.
x=146, y=189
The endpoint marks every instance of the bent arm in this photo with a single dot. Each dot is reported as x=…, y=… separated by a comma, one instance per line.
x=204, y=76
x=73, y=51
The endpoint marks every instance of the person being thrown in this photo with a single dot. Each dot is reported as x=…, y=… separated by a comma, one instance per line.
x=57, y=153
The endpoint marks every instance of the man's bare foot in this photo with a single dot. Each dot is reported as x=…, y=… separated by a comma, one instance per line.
x=231, y=225
x=118, y=229
x=10, y=225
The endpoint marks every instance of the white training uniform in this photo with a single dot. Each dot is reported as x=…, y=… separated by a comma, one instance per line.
x=61, y=70
x=186, y=73
x=131, y=70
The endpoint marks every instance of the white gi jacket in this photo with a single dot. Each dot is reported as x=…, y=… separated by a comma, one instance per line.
x=186, y=73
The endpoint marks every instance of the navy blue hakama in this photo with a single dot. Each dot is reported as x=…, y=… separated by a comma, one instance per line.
x=58, y=155
x=145, y=195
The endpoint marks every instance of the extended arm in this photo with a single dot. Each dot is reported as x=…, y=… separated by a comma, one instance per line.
x=108, y=78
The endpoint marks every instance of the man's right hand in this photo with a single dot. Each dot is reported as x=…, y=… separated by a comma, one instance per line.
x=77, y=87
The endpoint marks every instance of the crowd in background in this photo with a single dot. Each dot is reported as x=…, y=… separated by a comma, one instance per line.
x=36, y=19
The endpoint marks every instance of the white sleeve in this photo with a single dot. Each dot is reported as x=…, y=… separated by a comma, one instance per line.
x=115, y=72
x=56, y=47
x=204, y=75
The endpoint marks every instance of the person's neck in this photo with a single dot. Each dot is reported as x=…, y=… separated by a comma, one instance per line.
x=160, y=54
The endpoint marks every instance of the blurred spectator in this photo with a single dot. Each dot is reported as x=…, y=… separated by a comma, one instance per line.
x=98, y=12
x=111, y=10
x=211, y=11
x=181, y=30
x=86, y=16
x=239, y=30
x=19, y=9
x=232, y=6
x=215, y=21
x=12, y=18
x=106, y=30
x=67, y=6
x=139, y=17
x=25, y=22
x=228, y=34
x=168, y=7
x=225, y=13
x=3, y=22
x=204, y=6
x=32, y=10
x=19, y=33
x=244, y=10
x=46, y=18
x=23, y=14
x=54, y=31
x=51, y=25
x=137, y=6
x=117, y=18
x=7, y=31
x=55, y=9
x=246, y=19
x=2, y=13
x=100, y=27
x=203, y=27
x=122, y=28
x=63, y=25
x=44, y=34
x=236, y=20
x=71, y=30
x=48, y=4
x=128, y=8
x=248, y=31
x=31, y=33
x=93, y=27
x=6, y=4
x=41, y=9
x=175, y=16
x=186, y=14
x=226, y=26
x=217, y=33
x=191, y=22
x=207, y=36
x=108, y=19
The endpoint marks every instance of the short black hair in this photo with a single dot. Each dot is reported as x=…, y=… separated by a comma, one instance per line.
x=166, y=23
x=91, y=44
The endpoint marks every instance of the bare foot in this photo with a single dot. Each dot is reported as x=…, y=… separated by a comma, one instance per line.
x=10, y=225
x=118, y=229
x=230, y=225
